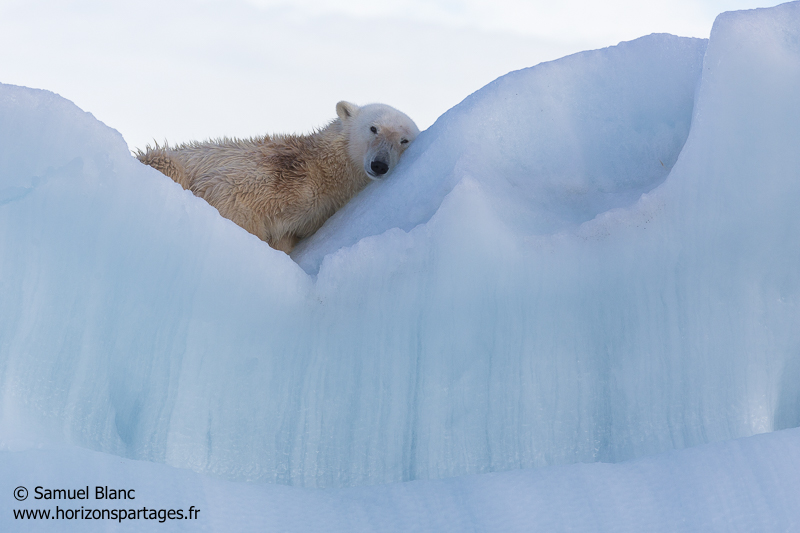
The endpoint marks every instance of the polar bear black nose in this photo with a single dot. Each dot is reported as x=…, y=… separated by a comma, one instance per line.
x=379, y=167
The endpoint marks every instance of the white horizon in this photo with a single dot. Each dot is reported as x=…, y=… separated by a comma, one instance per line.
x=195, y=69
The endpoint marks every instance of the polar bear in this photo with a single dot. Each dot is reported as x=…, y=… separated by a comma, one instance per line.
x=282, y=188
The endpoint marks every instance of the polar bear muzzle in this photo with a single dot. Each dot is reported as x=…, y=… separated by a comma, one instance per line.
x=379, y=166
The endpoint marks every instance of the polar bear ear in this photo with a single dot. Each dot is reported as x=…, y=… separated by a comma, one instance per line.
x=346, y=110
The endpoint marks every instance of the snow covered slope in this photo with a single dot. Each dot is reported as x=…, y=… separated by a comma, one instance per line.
x=561, y=271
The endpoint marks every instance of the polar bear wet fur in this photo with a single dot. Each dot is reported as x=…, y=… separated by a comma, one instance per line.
x=282, y=188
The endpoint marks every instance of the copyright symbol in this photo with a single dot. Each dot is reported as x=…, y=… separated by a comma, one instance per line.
x=21, y=493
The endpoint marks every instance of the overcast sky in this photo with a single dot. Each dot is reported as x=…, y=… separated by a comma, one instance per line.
x=193, y=69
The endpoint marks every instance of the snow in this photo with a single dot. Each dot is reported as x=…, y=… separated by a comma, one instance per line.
x=592, y=260
x=553, y=145
x=741, y=485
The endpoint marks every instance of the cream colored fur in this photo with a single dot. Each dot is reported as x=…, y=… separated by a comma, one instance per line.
x=282, y=188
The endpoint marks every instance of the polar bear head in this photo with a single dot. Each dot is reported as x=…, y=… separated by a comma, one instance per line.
x=377, y=135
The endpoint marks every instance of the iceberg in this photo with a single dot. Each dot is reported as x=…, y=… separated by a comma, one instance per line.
x=593, y=260
x=749, y=484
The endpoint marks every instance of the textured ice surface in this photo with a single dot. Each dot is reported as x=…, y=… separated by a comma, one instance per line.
x=509, y=302
x=551, y=146
x=748, y=484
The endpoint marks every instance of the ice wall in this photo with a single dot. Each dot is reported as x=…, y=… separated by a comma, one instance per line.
x=749, y=484
x=551, y=146
x=506, y=306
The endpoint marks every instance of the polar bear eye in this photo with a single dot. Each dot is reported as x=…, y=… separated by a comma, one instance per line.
x=403, y=141
x=373, y=129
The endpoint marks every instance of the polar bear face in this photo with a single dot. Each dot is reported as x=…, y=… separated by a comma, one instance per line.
x=377, y=135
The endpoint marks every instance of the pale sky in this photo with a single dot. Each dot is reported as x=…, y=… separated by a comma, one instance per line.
x=186, y=70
